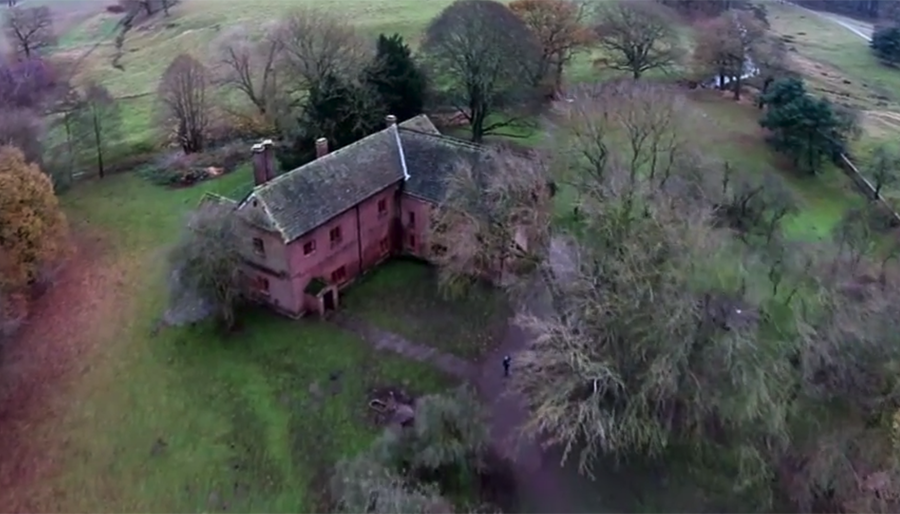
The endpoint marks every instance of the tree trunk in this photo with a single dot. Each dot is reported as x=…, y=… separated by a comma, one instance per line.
x=98, y=143
x=737, y=87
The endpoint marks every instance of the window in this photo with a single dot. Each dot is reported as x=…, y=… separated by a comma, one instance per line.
x=309, y=247
x=259, y=248
x=339, y=275
x=382, y=207
x=261, y=284
x=412, y=219
x=384, y=245
x=412, y=242
x=335, y=236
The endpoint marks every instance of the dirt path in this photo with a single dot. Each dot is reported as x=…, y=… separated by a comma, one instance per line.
x=861, y=29
x=539, y=479
x=37, y=366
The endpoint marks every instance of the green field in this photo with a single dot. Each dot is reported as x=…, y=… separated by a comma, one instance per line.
x=839, y=65
x=187, y=420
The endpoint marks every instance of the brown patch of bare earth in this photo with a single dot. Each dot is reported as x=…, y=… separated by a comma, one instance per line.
x=38, y=366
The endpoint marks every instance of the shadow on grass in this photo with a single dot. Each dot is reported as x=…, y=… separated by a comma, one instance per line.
x=402, y=297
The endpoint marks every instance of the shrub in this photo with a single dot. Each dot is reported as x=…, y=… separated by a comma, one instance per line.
x=886, y=44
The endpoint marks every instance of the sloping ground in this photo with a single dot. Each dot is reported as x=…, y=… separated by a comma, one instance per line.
x=51, y=352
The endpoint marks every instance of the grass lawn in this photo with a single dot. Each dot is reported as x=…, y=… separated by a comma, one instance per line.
x=730, y=131
x=188, y=420
x=839, y=65
x=402, y=296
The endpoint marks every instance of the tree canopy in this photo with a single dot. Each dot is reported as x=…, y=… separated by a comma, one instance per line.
x=806, y=128
x=33, y=230
x=487, y=60
x=396, y=78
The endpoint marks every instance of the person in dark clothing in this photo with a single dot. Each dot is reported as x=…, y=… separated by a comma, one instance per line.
x=506, y=362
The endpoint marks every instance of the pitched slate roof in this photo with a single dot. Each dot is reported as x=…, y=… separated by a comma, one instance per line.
x=300, y=200
x=431, y=158
x=420, y=123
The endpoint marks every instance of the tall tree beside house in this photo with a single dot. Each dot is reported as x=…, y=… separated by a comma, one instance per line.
x=487, y=60
x=99, y=118
x=490, y=220
x=33, y=229
x=184, y=94
x=807, y=129
x=340, y=110
x=205, y=262
x=397, y=78
x=559, y=26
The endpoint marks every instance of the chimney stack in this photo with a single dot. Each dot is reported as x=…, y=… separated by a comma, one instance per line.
x=321, y=147
x=263, y=162
x=391, y=120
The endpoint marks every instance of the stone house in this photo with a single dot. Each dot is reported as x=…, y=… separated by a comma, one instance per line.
x=314, y=229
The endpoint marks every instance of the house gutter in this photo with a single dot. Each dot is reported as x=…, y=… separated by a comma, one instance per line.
x=402, y=154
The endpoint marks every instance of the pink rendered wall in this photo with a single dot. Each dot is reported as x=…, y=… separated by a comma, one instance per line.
x=417, y=228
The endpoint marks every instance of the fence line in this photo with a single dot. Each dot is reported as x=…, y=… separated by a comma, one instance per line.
x=865, y=186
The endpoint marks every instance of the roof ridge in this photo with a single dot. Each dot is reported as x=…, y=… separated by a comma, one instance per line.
x=445, y=137
x=317, y=160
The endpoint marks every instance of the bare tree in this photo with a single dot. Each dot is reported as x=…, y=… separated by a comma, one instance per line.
x=99, y=116
x=30, y=29
x=728, y=44
x=316, y=44
x=644, y=128
x=251, y=67
x=494, y=218
x=639, y=36
x=488, y=60
x=559, y=26
x=206, y=261
x=183, y=92
x=883, y=168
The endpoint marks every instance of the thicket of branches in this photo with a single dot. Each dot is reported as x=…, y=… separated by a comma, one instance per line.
x=685, y=323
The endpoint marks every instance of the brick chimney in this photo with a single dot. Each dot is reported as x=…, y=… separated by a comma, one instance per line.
x=390, y=119
x=263, y=162
x=321, y=147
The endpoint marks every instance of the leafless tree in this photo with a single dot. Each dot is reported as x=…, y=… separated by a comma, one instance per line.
x=488, y=60
x=639, y=36
x=30, y=29
x=727, y=44
x=315, y=44
x=644, y=128
x=250, y=67
x=183, y=93
x=205, y=263
x=99, y=117
x=883, y=168
x=495, y=218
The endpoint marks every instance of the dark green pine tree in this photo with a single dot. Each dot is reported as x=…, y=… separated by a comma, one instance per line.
x=340, y=110
x=396, y=78
x=886, y=44
x=805, y=128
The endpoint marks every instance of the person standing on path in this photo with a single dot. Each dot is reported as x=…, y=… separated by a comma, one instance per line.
x=506, y=362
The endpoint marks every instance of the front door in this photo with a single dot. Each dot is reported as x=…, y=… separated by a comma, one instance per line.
x=328, y=301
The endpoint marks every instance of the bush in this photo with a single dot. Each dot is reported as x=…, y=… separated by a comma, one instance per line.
x=886, y=44
x=181, y=170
